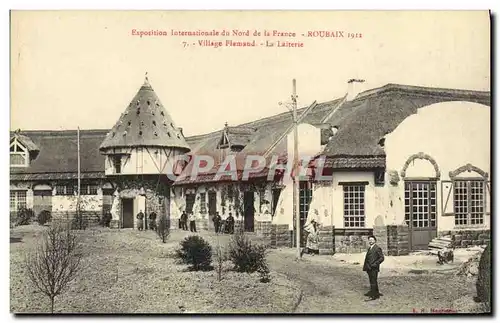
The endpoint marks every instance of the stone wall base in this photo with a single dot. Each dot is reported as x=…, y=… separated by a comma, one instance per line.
x=467, y=238
x=393, y=239
x=352, y=240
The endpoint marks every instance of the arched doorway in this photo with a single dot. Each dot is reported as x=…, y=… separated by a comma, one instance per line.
x=421, y=201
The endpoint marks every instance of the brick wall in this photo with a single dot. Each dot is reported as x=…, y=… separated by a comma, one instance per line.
x=466, y=238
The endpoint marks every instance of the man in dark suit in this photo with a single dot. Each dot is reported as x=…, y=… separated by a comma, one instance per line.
x=374, y=257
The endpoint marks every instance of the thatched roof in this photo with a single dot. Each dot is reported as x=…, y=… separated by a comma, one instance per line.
x=380, y=111
x=145, y=123
x=58, y=157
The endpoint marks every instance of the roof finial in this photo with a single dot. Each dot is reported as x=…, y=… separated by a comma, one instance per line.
x=146, y=80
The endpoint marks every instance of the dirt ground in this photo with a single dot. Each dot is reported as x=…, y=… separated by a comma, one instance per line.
x=128, y=271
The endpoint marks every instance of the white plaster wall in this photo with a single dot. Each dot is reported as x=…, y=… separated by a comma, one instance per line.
x=153, y=160
x=453, y=133
x=309, y=141
x=63, y=203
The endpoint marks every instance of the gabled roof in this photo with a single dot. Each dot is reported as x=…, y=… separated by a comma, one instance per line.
x=58, y=154
x=145, y=123
x=25, y=141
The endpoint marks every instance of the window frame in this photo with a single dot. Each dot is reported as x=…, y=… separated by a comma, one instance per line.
x=23, y=153
x=468, y=202
x=360, y=222
x=15, y=200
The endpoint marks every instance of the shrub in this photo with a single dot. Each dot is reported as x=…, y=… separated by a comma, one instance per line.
x=247, y=257
x=24, y=216
x=105, y=219
x=197, y=252
x=483, y=283
x=44, y=217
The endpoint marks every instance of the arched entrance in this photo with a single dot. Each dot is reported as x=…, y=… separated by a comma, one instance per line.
x=421, y=202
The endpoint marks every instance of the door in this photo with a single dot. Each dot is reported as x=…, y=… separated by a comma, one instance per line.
x=190, y=202
x=249, y=211
x=304, y=202
x=212, y=203
x=42, y=200
x=127, y=213
x=420, y=213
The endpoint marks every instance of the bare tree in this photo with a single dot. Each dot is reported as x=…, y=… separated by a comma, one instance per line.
x=55, y=262
x=163, y=228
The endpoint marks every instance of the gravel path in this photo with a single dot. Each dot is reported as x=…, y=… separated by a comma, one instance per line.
x=340, y=289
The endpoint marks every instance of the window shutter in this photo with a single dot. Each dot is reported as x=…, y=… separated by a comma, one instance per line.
x=487, y=198
x=447, y=202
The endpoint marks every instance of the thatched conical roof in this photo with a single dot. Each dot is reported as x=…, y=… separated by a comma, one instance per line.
x=145, y=123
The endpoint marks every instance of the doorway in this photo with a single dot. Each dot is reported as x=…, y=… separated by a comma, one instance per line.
x=420, y=213
x=127, y=213
x=248, y=200
x=212, y=203
x=305, y=197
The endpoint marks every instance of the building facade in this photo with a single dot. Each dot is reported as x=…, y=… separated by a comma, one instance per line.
x=398, y=157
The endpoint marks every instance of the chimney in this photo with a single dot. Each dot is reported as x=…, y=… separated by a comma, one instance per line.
x=354, y=87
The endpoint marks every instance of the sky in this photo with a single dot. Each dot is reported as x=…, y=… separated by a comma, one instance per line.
x=82, y=68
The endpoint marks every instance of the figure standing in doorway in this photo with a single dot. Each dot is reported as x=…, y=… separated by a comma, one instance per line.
x=374, y=257
x=140, y=222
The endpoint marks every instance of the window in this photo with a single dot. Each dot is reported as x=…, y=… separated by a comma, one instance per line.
x=17, y=200
x=203, y=203
x=18, y=155
x=117, y=164
x=65, y=190
x=89, y=189
x=354, y=206
x=469, y=202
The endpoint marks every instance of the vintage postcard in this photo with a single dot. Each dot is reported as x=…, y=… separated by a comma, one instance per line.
x=250, y=162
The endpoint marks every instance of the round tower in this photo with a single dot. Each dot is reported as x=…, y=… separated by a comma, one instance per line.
x=141, y=150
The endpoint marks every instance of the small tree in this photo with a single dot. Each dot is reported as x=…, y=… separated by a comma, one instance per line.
x=163, y=228
x=221, y=257
x=54, y=263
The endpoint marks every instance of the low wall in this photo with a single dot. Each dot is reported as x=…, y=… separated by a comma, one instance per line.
x=92, y=217
x=280, y=236
x=352, y=240
x=393, y=239
x=466, y=238
x=327, y=240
